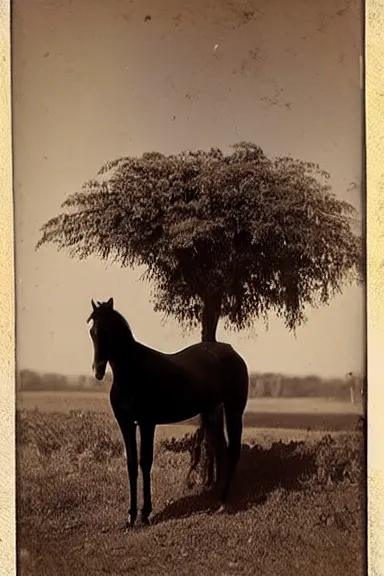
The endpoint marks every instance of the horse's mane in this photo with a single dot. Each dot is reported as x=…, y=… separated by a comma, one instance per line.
x=121, y=322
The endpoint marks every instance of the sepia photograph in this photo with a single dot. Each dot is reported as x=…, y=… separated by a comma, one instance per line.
x=190, y=276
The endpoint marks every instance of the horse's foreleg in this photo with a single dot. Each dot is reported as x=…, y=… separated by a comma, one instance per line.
x=129, y=435
x=147, y=433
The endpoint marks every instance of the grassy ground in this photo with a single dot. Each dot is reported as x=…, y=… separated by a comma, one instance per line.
x=297, y=505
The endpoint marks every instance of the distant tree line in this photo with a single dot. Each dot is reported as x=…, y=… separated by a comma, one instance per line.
x=50, y=381
x=279, y=385
x=262, y=385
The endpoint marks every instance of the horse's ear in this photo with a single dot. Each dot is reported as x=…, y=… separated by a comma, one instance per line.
x=110, y=303
x=93, y=305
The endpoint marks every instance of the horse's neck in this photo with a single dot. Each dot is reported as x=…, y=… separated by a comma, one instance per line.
x=130, y=362
x=124, y=362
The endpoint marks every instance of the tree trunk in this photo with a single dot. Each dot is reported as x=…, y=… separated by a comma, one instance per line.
x=210, y=320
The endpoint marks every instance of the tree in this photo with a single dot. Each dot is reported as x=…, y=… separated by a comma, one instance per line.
x=229, y=236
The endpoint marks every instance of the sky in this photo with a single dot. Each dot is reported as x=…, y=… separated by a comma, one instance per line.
x=96, y=80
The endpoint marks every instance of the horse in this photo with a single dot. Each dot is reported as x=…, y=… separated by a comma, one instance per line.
x=152, y=388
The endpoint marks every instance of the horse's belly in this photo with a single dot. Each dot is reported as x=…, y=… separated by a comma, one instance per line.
x=174, y=416
x=170, y=410
x=169, y=413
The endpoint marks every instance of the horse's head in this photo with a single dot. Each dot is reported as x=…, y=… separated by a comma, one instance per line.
x=101, y=317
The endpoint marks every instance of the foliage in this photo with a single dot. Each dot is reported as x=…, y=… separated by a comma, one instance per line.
x=221, y=236
x=78, y=433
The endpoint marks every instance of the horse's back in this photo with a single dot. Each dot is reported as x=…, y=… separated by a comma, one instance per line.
x=222, y=365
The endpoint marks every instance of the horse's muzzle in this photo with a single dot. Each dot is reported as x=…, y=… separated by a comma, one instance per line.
x=99, y=370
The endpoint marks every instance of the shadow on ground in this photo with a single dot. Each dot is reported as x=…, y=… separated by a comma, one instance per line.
x=260, y=471
x=300, y=421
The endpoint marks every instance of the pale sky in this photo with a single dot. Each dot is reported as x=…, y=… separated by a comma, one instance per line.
x=95, y=80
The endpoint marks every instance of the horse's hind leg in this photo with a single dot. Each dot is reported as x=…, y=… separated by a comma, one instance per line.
x=219, y=443
x=234, y=422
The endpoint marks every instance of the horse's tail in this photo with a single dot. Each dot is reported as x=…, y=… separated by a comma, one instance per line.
x=203, y=448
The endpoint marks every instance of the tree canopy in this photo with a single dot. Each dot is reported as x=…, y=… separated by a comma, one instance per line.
x=229, y=236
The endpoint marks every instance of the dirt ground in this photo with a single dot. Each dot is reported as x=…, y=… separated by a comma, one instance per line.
x=297, y=504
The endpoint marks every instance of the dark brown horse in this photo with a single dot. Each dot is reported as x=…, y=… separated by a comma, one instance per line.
x=151, y=388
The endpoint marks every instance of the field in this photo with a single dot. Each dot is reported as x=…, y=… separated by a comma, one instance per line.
x=297, y=504
x=295, y=413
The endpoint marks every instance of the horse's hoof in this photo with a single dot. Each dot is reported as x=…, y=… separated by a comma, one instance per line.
x=221, y=509
x=130, y=523
x=145, y=520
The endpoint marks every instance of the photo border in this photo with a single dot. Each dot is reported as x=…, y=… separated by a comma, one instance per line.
x=374, y=123
x=7, y=310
